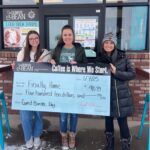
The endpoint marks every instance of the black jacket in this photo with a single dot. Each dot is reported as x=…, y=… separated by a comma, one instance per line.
x=121, y=99
x=79, y=53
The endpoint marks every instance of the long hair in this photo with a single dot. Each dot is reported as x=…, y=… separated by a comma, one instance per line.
x=28, y=47
x=61, y=42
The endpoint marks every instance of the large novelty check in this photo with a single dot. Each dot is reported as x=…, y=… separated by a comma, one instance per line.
x=81, y=89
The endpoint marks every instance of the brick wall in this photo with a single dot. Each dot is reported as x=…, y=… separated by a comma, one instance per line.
x=6, y=78
x=139, y=86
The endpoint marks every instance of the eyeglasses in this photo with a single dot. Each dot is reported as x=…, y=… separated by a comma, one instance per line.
x=32, y=39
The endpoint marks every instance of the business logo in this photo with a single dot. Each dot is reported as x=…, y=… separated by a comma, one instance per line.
x=31, y=14
x=24, y=67
x=15, y=15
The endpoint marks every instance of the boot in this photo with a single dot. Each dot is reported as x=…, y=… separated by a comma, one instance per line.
x=64, y=140
x=72, y=140
x=109, y=141
x=126, y=144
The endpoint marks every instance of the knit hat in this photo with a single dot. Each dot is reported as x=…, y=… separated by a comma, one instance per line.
x=110, y=36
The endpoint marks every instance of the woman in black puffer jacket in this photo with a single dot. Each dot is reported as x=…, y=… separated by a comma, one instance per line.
x=121, y=99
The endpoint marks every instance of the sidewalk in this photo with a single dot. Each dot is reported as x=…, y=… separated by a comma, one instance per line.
x=90, y=134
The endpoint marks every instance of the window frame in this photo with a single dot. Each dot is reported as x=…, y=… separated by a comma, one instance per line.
x=19, y=4
x=41, y=7
x=132, y=4
x=121, y=2
x=147, y=27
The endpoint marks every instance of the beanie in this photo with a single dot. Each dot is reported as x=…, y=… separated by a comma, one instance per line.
x=110, y=36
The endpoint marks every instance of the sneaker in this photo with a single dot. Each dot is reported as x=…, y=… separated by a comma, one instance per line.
x=29, y=143
x=37, y=142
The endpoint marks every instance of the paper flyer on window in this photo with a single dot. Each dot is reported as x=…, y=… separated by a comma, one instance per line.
x=17, y=23
x=85, y=31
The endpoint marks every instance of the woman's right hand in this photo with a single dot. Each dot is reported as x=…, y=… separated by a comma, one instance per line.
x=112, y=68
x=53, y=62
x=73, y=62
x=13, y=65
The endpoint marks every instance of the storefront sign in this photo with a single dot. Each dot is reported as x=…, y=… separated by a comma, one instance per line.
x=81, y=89
x=17, y=23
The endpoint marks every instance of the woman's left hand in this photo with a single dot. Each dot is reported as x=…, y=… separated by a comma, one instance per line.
x=39, y=61
x=112, y=68
x=73, y=62
x=13, y=65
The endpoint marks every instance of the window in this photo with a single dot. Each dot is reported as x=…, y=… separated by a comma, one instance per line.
x=20, y=2
x=125, y=1
x=86, y=33
x=71, y=1
x=129, y=24
x=55, y=26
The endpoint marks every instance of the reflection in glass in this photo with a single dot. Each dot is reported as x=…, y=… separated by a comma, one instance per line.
x=125, y=1
x=55, y=27
x=71, y=1
x=20, y=2
x=129, y=24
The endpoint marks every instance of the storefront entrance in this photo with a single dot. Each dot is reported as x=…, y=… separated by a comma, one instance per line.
x=87, y=23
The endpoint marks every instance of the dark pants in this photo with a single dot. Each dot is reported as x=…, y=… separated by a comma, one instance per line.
x=123, y=125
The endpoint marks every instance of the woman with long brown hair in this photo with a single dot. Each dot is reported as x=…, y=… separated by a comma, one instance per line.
x=31, y=121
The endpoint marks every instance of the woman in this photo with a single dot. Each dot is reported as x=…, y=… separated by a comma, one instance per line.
x=31, y=121
x=121, y=100
x=67, y=51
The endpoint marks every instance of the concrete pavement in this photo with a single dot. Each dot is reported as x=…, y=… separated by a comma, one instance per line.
x=90, y=134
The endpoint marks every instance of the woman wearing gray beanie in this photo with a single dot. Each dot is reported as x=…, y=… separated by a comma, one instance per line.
x=121, y=100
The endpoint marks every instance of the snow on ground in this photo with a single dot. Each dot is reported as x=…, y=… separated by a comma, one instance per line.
x=45, y=146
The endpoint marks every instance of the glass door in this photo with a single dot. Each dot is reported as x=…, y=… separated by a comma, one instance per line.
x=87, y=22
x=55, y=25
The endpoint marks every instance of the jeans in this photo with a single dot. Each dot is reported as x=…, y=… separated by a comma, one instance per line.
x=64, y=122
x=32, y=123
x=123, y=125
